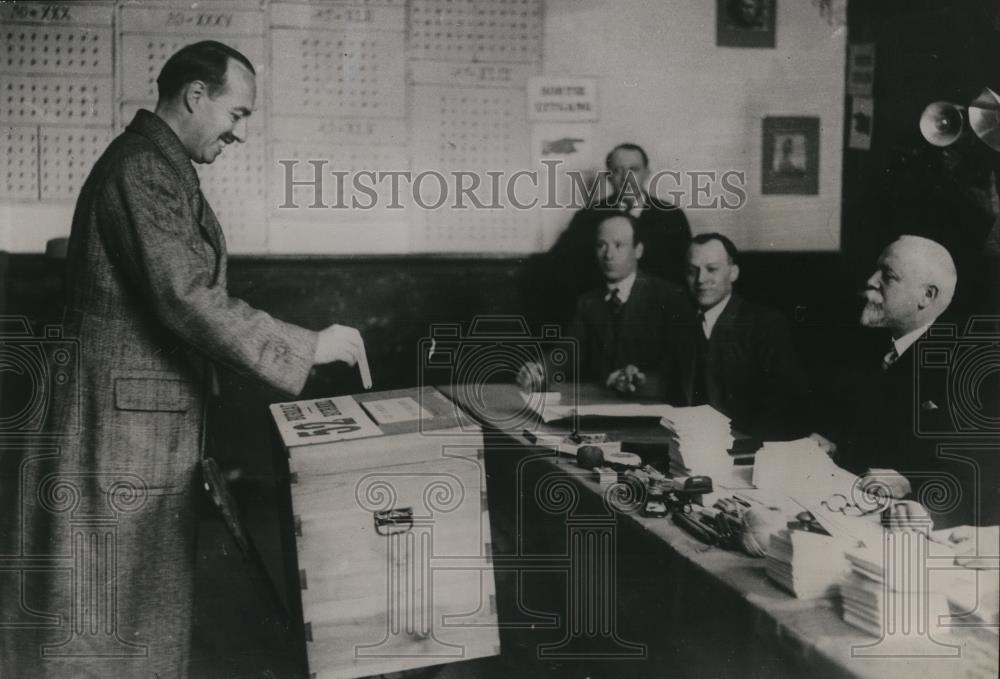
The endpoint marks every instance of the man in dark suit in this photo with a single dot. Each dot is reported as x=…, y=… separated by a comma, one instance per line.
x=737, y=356
x=569, y=266
x=148, y=303
x=623, y=326
x=898, y=425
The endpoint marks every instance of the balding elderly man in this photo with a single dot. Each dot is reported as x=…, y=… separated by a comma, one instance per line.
x=882, y=434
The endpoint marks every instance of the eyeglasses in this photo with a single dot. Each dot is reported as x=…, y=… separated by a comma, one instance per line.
x=838, y=502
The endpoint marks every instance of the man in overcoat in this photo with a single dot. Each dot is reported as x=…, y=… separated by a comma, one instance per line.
x=108, y=511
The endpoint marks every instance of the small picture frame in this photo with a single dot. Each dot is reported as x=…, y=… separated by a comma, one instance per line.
x=790, y=152
x=745, y=23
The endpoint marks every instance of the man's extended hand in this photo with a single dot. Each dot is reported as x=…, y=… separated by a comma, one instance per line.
x=828, y=446
x=976, y=547
x=626, y=380
x=339, y=343
x=907, y=515
x=531, y=377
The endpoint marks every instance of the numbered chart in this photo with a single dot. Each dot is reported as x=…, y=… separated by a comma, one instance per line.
x=387, y=98
x=56, y=97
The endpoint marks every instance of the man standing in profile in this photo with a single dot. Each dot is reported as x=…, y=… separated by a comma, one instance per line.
x=147, y=301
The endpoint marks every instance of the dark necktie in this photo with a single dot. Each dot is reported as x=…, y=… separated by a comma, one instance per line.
x=615, y=302
x=890, y=357
x=699, y=383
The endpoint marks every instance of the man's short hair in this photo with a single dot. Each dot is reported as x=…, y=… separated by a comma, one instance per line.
x=206, y=61
x=627, y=146
x=730, y=247
x=636, y=234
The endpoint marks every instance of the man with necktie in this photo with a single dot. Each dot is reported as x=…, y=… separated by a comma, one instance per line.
x=624, y=325
x=737, y=356
x=569, y=268
x=896, y=424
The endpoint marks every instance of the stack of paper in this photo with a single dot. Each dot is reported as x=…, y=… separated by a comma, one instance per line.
x=808, y=565
x=974, y=597
x=799, y=466
x=888, y=590
x=704, y=437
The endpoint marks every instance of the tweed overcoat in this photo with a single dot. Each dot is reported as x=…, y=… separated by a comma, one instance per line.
x=112, y=501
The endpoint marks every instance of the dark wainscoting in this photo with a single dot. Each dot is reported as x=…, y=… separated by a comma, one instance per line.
x=395, y=301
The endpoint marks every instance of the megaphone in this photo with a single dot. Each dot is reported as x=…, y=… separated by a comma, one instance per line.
x=984, y=118
x=942, y=123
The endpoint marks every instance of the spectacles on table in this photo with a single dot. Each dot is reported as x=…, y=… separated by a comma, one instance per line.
x=839, y=503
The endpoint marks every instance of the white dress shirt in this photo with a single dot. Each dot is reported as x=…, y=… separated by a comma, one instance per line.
x=907, y=340
x=624, y=287
x=710, y=316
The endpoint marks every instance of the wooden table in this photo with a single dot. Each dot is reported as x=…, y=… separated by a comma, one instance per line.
x=638, y=596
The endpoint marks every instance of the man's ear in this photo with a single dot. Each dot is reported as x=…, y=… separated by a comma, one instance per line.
x=194, y=92
x=734, y=273
x=639, y=248
x=930, y=294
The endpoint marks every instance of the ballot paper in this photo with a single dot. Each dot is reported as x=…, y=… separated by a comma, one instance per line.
x=808, y=565
x=366, y=371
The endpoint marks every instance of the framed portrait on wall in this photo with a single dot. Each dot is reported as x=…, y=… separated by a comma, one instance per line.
x=745, y=23
x=790, y=152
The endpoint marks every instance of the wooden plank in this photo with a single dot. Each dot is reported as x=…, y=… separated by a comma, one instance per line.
x=376, y=453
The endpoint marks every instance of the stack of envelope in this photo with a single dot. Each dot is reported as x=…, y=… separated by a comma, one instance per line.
x=808, y=565
x=704, y=437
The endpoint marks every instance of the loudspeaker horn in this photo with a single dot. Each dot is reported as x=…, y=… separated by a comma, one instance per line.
x=942, y=123
x=984, y=118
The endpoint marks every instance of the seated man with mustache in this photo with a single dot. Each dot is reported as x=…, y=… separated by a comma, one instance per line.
x=891, y=427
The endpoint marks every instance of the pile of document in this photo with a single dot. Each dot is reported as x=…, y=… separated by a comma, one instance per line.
x=799, y=466
x=704, y=437
x=808, y=565
x=888, y=589
x=909, y=594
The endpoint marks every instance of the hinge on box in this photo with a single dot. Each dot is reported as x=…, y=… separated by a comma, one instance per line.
x=302, y=579
x=308, y=628
x=297, y=521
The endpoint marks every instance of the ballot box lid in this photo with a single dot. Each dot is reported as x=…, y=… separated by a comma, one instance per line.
x=384, y=413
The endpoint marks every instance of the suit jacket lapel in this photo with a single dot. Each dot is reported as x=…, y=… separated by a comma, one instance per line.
x=209, y=225
x=722, y=336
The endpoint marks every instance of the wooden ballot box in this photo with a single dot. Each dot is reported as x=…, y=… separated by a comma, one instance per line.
x=392, y=532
